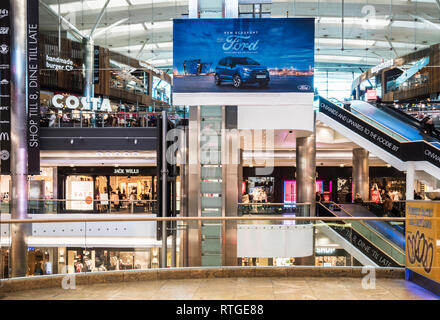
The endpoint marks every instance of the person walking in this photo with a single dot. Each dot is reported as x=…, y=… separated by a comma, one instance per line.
x=387, y=205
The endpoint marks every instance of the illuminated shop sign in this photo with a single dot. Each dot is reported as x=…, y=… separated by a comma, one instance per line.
x=383, y=65
x=73, y=102
x=125, y=171
x=371, y=94
x=58, y=63
x=325, y=251
x=148, y=67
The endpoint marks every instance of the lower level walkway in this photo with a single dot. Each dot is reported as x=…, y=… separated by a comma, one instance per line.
x=306, y=288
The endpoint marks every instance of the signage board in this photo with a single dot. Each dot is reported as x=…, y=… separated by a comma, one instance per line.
x=371, y=94
x=33, y=88
x=81, y=192
x=243, y=56
x=5, y=85
x=57, y=63
x=422, y=238
x=96, y=64
x=383, y=65
x=74, y=102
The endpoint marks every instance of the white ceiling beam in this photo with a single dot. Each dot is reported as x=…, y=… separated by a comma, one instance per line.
x=76, y=33
x=98, y=19
x=391, y=45
x=117, y=23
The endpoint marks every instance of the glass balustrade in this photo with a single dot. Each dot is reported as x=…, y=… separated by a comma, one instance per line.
x=73, y=244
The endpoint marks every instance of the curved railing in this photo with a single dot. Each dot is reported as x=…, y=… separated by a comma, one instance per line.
x=108, y=232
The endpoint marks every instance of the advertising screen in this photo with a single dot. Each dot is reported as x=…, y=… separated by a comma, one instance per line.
x=290, y=190
x=243, y=55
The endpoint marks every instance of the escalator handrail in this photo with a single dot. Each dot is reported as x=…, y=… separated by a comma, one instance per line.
x=371, y=229
x=407, y=141
x=409, y=119
x=380, y=125
x=377, y=247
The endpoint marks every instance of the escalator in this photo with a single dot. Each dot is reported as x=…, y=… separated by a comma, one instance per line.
x=394, y=120
x=365, y=237
x=390, y=137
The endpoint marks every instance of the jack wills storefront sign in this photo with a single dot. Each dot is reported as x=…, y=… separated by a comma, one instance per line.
x=5, y=92
x=33, y=84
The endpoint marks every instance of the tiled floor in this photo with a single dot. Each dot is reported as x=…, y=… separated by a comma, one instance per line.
x=237, y=288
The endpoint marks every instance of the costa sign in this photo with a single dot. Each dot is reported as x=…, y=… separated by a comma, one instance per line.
x=74, y=102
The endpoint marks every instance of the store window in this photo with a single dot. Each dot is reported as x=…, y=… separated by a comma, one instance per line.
x=106, y=193
x=105, y=259
x=79, y=193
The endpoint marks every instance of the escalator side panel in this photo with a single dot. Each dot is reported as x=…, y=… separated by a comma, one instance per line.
x=357, y=240
x=384, y=118
x=362, y=128
x=389, y=232
x=405, y=151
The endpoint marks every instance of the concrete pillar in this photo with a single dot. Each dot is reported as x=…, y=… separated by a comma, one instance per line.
x=306, y=171
x=410, y=172
x=361, y=173
x=19, y=158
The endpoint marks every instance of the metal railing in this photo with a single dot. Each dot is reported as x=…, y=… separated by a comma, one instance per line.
x=92, y=119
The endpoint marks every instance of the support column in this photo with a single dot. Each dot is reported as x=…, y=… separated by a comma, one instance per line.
x=19, y=156
x=306, y=171
x=410, y=173
x=305, y=185
x=88, y=66
x=361, y=173
x=193, y=202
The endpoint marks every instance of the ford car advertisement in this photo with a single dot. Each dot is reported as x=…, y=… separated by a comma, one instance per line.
x=243, y=55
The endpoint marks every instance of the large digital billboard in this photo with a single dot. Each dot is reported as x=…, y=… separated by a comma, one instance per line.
x=243, y=55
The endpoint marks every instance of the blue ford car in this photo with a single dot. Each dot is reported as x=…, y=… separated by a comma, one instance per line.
x=240, y=71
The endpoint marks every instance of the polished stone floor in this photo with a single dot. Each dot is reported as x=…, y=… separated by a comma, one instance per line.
x=237, y=288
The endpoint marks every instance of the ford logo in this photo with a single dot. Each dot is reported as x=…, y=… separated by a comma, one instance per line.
x=304, y=87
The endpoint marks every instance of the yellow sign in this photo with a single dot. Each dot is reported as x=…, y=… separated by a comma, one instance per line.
x=423, y=238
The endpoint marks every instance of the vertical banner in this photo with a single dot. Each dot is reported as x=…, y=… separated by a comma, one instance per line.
x=5, y=91
x=96, y=64
x=33, y=86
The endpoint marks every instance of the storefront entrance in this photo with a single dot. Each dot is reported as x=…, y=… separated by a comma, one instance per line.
x=108, y=189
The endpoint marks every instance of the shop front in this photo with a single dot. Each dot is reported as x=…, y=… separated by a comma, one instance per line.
x=106, y=259
x=333, y=184
x=107, y=189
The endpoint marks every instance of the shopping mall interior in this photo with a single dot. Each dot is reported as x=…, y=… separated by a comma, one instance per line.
x=220, y=149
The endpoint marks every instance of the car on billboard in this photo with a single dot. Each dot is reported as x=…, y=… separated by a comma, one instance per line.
x=241, y=71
